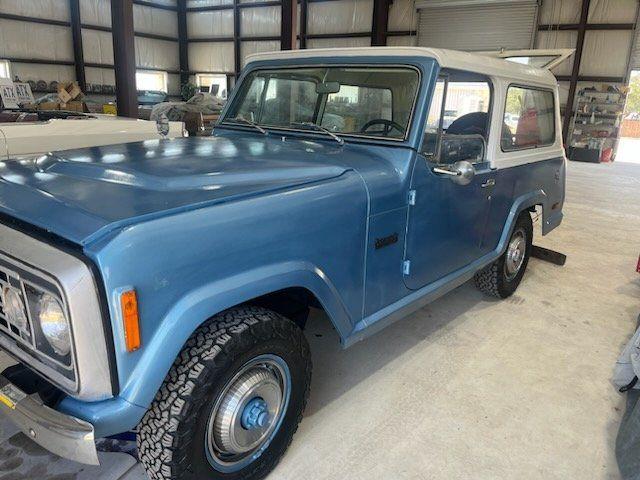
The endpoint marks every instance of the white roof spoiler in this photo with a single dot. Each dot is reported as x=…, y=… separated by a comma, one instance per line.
x=540, y=58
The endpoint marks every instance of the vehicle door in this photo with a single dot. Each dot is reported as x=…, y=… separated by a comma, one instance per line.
x=452, y=181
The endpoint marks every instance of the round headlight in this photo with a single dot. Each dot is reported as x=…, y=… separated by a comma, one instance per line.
x=13, y=306
x=54, y=324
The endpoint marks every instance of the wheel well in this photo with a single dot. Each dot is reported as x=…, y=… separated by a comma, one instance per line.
x=293, y=303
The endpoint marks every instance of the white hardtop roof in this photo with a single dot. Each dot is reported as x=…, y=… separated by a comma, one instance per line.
x=454, y=59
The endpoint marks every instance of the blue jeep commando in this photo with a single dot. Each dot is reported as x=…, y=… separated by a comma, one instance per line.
x=163, y=286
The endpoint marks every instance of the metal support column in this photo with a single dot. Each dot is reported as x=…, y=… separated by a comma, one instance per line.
x=124, y=57
x=380, y=23
x=76, y=37
x=183, y=42
x=288, y=25
x=575, y=72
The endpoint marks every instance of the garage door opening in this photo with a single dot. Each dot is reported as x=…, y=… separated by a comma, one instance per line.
x=629, y=146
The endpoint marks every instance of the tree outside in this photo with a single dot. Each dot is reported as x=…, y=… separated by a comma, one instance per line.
x=633, y=97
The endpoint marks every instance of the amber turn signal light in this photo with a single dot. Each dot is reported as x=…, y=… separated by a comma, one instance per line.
x=129, y=304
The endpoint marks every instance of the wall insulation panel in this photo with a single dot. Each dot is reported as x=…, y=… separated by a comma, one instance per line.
x=403, y=15
x=553, y=12
x=249, y=48
x=612, y=11
x=207, y=3
x=100, y=76
x=484, y=27
x=154, y=20
x=173, y=84
x=260, y=21
x=340, y=16
x=35, y=41
x=218, y=23
x=49, y=9
x=403, y=41
x=338, y=42
x=558, y=39
x=48, y=73
x=97, y=46
x=95, y=12
x=606, y=53
x=211, y=57
x=157, y=54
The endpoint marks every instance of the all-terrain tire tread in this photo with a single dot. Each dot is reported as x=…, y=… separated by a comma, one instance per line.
x=170, y=421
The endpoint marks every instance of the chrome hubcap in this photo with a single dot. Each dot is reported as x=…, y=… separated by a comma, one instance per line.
x=248, y=411
x=515, y=254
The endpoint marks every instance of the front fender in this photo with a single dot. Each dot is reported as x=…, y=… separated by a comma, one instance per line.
x=201, y=304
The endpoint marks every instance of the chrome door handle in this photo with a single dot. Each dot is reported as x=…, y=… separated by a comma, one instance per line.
x=446, y=171
x=489, y=183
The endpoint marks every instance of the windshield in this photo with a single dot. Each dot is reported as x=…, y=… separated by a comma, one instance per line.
x=368, y=101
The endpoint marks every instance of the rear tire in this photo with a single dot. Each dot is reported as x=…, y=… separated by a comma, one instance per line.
x=231, y=402
x=501, y=278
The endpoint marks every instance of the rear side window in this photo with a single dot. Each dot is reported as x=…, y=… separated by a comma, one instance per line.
x=529, y=119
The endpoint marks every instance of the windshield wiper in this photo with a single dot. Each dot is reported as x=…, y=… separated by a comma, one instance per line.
x=318, y=128
x=244, y=121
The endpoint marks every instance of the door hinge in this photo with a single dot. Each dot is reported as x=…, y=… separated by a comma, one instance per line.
x=406, y=267
x=412, y=197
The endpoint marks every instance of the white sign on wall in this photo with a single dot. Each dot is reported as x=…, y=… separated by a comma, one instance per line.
x=8, y=93
x=23, y=92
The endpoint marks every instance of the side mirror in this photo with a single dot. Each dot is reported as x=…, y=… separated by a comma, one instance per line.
x=461, y=172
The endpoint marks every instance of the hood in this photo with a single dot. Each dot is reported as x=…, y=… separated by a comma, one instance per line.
x=82, y=194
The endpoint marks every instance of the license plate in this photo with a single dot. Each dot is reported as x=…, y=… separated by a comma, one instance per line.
x=10, y=396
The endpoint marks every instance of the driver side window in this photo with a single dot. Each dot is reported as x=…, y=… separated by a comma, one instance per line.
x=350, y=109
x=457, y=126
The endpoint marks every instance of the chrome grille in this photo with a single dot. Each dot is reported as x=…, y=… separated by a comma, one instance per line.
x=12, y=280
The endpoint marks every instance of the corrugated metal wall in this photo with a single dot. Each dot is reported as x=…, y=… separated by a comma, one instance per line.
x=477, y=27
x=26, y=40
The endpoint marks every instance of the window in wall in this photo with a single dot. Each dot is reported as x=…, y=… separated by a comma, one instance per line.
x=5, y=69
x=215, y=84
x=529, y=119
x=151, y=80
x=457, y=126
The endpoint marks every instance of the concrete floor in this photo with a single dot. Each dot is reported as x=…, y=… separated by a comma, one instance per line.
x=472, y=388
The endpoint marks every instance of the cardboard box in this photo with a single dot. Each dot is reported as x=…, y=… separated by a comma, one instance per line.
x=49, y=106
x=76, y=106
x=63, y=95
x=68, y=92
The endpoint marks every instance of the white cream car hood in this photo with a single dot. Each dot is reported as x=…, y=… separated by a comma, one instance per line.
x=32, y=138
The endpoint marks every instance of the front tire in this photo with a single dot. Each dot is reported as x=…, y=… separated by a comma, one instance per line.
x=231, y=402
x=502, y=277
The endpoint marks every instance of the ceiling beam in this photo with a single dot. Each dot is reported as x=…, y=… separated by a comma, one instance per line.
x=589, y=26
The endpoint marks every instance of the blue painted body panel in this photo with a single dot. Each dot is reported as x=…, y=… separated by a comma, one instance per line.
x=198, y=225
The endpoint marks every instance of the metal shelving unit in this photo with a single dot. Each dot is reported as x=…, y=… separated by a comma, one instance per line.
x=596, y=125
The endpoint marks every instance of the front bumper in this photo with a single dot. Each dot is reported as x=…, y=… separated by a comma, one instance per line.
x=61, y=434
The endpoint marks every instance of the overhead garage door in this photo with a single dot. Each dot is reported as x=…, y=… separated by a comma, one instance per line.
x=473, y=25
